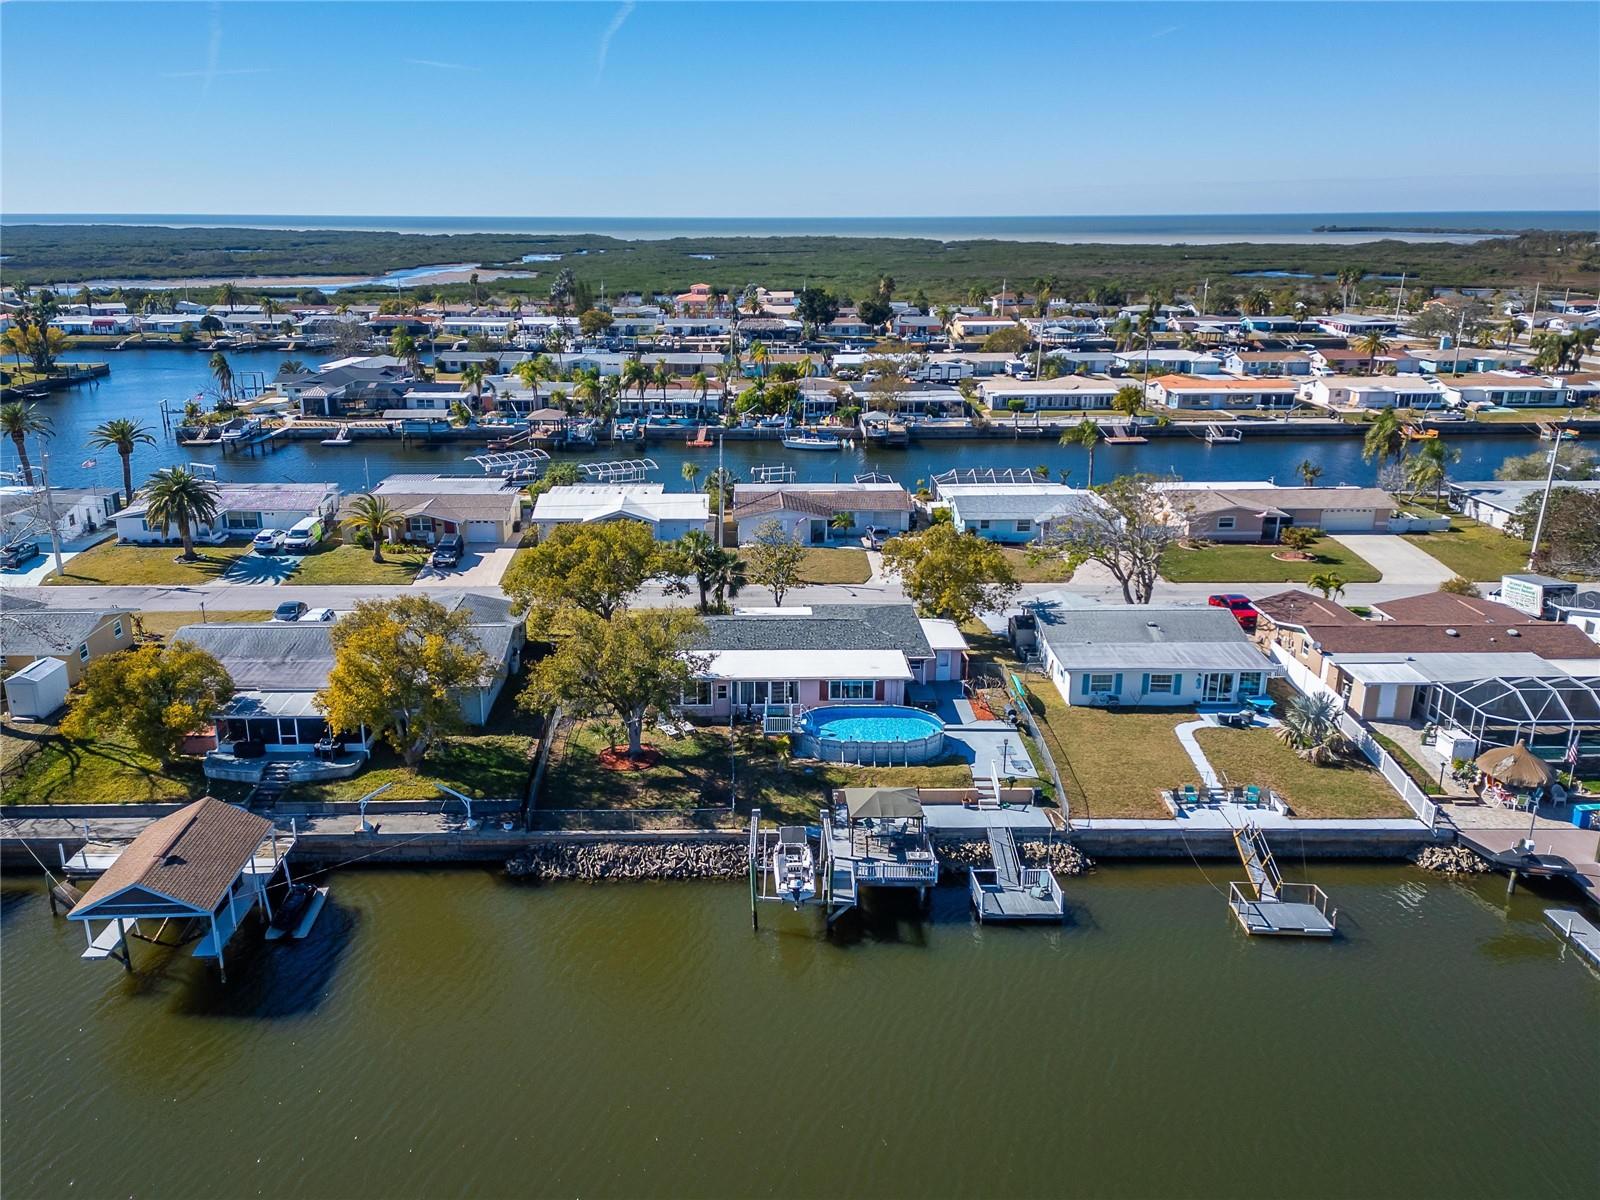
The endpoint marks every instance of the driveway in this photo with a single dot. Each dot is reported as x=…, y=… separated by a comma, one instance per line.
x=39, y=569
x=1397, y=559
x=478, y=569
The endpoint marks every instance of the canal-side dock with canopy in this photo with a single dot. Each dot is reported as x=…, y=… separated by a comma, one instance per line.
x=875, y=837
x=198, y=871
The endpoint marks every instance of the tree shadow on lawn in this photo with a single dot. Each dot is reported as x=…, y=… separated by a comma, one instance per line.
x=261, y=568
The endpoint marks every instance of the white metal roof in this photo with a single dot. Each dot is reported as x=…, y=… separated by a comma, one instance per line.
x=942, y=635
x=807, y=664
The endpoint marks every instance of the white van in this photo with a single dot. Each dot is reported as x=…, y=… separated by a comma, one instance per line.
x=304, y=536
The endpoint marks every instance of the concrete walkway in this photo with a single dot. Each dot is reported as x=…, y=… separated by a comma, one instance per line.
x=1197, y=756
x=1399, y=561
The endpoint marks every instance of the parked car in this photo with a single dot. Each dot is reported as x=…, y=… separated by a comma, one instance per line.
x=317, y=614
x=304, y=536
x=289, y=610
x=1243, y=611
x=447, y=553
x=268, y=541
x=14, y=555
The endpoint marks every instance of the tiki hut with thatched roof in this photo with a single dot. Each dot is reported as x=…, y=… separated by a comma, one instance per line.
x=1513, y=776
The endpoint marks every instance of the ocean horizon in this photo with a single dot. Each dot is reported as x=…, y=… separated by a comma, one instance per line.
x=1148, y=229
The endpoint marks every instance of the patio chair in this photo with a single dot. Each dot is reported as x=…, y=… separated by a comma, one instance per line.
x=1191, y=794
x=1252, y=795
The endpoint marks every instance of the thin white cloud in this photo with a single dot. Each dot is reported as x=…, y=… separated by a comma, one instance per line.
x=604, y=50
x=443, y=66
x=213, y=50
x=1164, y=30
x=212, y=74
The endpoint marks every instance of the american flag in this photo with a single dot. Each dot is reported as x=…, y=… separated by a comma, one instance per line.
x=1572, y=753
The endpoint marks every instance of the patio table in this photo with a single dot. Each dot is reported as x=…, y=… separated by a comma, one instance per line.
x=1262, y=704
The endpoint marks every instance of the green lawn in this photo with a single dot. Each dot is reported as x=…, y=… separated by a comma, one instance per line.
x=338, y=563
x=165, y=624
x=104, y=770
x=1251, y=563
x=1050, y=570
x=1113, y=763
x=494, y=762
x=1419, y=776
x=694, y=771
x=1473, y=550
x=1255, y=756
x=843, y=564
x=109, y=563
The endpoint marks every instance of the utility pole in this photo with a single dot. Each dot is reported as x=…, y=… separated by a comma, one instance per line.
x=1549, y=479
x=50, y=510
x=1400, y=297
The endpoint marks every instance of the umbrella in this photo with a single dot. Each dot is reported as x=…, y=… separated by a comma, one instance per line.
x=882, y=802
x=1517, y=766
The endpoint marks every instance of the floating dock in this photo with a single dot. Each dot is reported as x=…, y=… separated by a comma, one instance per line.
x=1577, y=931
x=1266, y=904
x=1008, y=891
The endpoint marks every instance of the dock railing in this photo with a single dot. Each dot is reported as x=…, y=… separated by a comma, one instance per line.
x=1241, y=901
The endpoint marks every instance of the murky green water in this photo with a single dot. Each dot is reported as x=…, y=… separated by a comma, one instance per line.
x=451, y=1034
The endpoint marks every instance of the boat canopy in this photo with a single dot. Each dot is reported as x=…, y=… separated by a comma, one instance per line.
x=882, y=802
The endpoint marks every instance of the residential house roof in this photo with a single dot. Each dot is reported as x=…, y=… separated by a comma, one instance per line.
x=640, y=501
x=39, y=631
x=1224, y=383
x=848, y=627
x=258, y=497
x=1147, y=638
x=1281, y=501
x=1447, y=608
x=819, y=500
x=1302, y=609
x=452, y=497
x=191, y=856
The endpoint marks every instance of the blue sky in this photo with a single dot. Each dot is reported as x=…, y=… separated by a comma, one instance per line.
x=919, y=109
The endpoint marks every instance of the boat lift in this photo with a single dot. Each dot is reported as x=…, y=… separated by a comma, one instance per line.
x=782, y=866
x=513, y=464
x=623, y=470
x=780, y=473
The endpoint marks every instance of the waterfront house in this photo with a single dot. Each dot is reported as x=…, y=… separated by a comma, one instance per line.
x=967, y=328
x=770, y=329
x=1458, y=360
x=1224, y=512
x=1354, y=325
x=1388, y=668
x=914, y=326
x=1061, y=330
x=1168, y=361
x=1503, y=389
x=1354, y=393
x=243, y=509
x=815, y=513
x=696, y=327
x=697, y=301
x=1268, y=362
x=848, y=325
x=278, y=667
x=1336, y=361
x=1096, y=362
x=76, y=636
x=1496, y=501
x=78, y=511
x=485, y=510
x=1069, y=393
x=1206, y=392
x=979, y=363
x=1148, y=655
x=669, y=515
x=1270, y=323
x=1013, y=513
x=811, y=655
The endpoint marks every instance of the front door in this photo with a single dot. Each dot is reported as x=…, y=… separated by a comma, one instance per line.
x=819, y=532
x=1216, y=686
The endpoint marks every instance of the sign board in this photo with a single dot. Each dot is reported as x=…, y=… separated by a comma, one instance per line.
x=1522, y=594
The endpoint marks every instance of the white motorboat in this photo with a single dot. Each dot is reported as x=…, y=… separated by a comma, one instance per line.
x=794, y=868
x=811, y=441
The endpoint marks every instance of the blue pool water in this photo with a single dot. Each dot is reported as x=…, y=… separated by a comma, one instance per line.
x=872, y=723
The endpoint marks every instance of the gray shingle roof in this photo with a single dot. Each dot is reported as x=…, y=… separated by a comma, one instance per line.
x=1010, y=506
x=828, y=627
x=1147, y=637
x=38, y=630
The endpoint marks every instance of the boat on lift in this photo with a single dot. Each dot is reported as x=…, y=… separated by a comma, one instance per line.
x=811, y=441
x=794, y=867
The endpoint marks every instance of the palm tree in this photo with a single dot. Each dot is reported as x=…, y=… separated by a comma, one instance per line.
x=1329, y=583
x=1428, y=471
x=1310, y=472
x=229, y=295
x=123, y=434
x=700, y=385
x=555, y=339
x=691, y=472
x=1086, y=433
x=635, y=375
x=460, y=414
x=177, y=496
x=1128, y=400
x=1385, y=438
x=531, y=370
x=758, y=355
x=1511, y=328
x=1372, y=343
x=223, y=374
x=661, y=377
x=472, y=376
x=17, y=421
x=373, y=517
x=404, y=347
x=1311, y=726
x=291, y=366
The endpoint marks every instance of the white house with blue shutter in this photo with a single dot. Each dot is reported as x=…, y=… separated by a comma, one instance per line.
x=1145, y=656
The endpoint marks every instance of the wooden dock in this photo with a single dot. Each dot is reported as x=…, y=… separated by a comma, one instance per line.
x=1574, y=929
x=1008, y=891
x=1269, y=906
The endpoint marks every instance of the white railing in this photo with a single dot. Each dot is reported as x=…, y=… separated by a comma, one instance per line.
x=1301, y=675
x=1416, y=799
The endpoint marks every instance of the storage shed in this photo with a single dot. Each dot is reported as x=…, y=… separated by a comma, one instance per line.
x=38, y=689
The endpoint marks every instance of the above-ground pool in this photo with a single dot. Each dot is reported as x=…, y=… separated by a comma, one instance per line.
x=869, y=733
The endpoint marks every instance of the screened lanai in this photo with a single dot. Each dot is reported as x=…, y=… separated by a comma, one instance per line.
x=1546, y=712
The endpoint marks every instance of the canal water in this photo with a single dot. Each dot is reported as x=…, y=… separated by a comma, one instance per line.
x=452, y=1033
x=141, y=380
